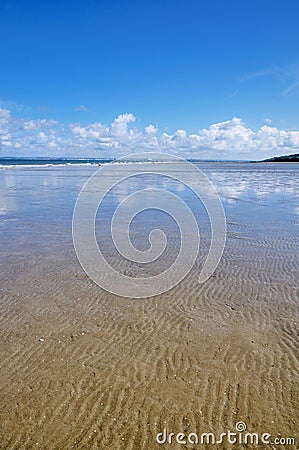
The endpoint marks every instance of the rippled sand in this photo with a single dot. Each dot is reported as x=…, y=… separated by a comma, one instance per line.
x=81, y=368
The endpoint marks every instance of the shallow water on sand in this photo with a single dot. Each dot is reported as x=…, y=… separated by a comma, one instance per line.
x=82, y=368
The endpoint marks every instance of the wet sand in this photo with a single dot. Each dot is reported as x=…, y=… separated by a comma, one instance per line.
x=81, y=368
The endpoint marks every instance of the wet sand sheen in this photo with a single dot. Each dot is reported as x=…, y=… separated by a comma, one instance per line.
x=111, y=373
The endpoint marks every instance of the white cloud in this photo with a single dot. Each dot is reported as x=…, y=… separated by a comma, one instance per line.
x=4, y=115
x=119, y=127
x=14, y=106
x=39, y=124
x=42, y=136
x=294, y=139
x=151, y=130
x=92, y=131
x=230, y=139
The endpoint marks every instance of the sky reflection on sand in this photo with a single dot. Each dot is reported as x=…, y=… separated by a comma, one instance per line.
x=24, y=190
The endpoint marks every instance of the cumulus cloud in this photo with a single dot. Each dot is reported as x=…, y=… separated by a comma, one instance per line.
x=92, y=131
x=151, y=130
x=119, y=127
x=230, y=139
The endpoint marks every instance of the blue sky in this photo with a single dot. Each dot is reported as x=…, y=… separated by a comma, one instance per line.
x=171, y=65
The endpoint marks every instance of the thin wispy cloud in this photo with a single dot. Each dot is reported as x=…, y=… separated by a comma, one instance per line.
x=257, y=74
x=292, y=88
x=43, y=108
x=81, y=108
x=233, y=94
x=286, y=75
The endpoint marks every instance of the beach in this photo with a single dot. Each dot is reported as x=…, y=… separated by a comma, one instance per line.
x=83, y=368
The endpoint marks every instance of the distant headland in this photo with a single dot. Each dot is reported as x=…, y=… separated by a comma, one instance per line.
x=285, y=158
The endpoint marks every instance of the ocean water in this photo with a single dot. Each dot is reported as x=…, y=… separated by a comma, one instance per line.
x=254, y=192
x=8, y=162
x=260, y=202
